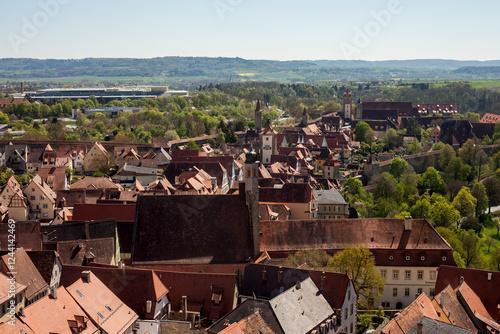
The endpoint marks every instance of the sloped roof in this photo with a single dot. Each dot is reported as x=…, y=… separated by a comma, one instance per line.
x=75, y=230
x=477, y=280
x=132, y=285
x=101, y=211
x=95, y=297
x=199, y=289
x=54, y=177
x=433, y=326
x=5, y=288
x=329, y=197
x=300, y=309
x=95, y=183
x=192, y=229
x=49, y=315
x=7, y=328
x=410, y=316
x=245, y=310
x=44, y=262
x=250, y=325
x=27, y=274
x=27, y=234
x=333, y=286
x=290, y=193
x=103, y=250
x=474, y=303
x=449, y=303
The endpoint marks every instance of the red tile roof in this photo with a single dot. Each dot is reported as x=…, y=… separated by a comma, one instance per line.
x=453, y=310
x=27, y=234
x=199, y=289
x=410, y=316
x=477, y=280
x=55, y=177
x=101, y=183
x=382, y=236
x=99, y=211
x=490, y=118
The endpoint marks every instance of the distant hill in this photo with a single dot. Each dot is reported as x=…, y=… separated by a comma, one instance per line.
x=200, y=70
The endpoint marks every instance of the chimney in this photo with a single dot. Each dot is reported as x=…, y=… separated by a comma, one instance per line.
x=22, y=87
x=297, y=285
x=148, y=306
x=86, y=276
x=461, y=279
x=120, y=264
x=53, y=293
x=21, y=312
x=280, y=275
x=420, y=328
x=226, y=323
x=264, y=274
x=184, y=308
x=84, y=196
x=408, y=220
x=64, y=215
x=80, y=243
x=489, y=277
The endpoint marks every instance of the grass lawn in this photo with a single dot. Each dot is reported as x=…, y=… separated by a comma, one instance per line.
x=489, y=232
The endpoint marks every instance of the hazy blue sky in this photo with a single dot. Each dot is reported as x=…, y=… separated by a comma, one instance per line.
x=251, y=29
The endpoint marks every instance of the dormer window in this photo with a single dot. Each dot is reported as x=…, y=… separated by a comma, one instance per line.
x=444, y=258
x=407, y=258
x=391, y=258
x=422, y=258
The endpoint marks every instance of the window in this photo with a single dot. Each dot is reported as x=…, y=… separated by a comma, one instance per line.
x=42, y=197
x=99, y=313
x=394, y=292
x=420, y=274
x=419, y=291
x=407, y=258
x=45, y=215
x=45, y=206
x=407, y=292
x=350, y=331
x=431, y=293
x=444, y=258
x=395, y=274
x=391, y=258
x=422, y=258
x=383, y=273
x=352, y=309
x=32, y=198
x=32, y=189
x=81, y=294
x=433, y=275
x=109, y=308
x=408, y=274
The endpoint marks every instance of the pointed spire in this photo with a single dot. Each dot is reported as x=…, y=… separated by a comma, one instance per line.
x=304, y=112
x=257, y=108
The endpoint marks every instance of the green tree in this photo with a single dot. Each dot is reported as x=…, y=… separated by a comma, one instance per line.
x=447, y=153
x=353, y=186
x=412, y=127
x=432, y=181
x=479, y=193
x=495, y=260
x=471, y=248
x=421, y=209
x=358, y=263
x=360, y=131
x=415, y=146
x=398, y=167
x=315, y=258
x=384, y=186
x=464, y=202
x=472, y=117
x=492, y=186
x=444, y=214
x=455, y=243
x=457, y=170
x=191, y=145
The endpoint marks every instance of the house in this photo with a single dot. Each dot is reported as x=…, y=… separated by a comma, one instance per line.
x=95, y=158
x=200, y=295
x=12, y=296
x=54, y=177
x=434, y=135
x=299, y=197
x=274, y=212
x=18, y=208
x=128, y=174
x=10, y=188
x=139, y=289
x=267, y=281
x=87, y=251
x=63, y=215
x=201, y=220
x=101, y=305
x=408, y=320
x=48, y=264
x=26, y=235
x=331, y=204
x=490, y=118
x=16, y=157
x=41, y=199
x=407, y=252
x=196, y=182
x=26, y=274
x=452, y=308
x=103, y=184
x=79, y=161
x=299, y=309
x=483, y=282
x=455, y=132
x=65, y=315
x=252, y=324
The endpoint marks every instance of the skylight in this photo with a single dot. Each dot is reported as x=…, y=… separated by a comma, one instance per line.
x=99, y=314
x=109, y=308
x=81, y=294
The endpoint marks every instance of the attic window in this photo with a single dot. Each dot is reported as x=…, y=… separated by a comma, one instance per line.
x=407, y=258
x=109, y=308
x=99, y=314
x=422, y=258
x=444, y=258
x=391, y=258
x=81, y=294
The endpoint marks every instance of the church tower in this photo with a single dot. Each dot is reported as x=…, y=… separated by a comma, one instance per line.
x=252, y=197
x=347, y=106
x=268, y=144
x=304, y=118
x=258, y=117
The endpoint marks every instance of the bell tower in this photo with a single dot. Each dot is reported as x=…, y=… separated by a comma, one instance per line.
x=252, y=197
x=347, y=106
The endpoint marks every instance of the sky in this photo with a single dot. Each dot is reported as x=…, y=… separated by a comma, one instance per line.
x=251, y=29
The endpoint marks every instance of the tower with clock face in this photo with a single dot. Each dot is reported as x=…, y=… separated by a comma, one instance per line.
x=268, y=144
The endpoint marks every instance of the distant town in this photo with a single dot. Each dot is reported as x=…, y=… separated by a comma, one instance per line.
x=246, y=207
